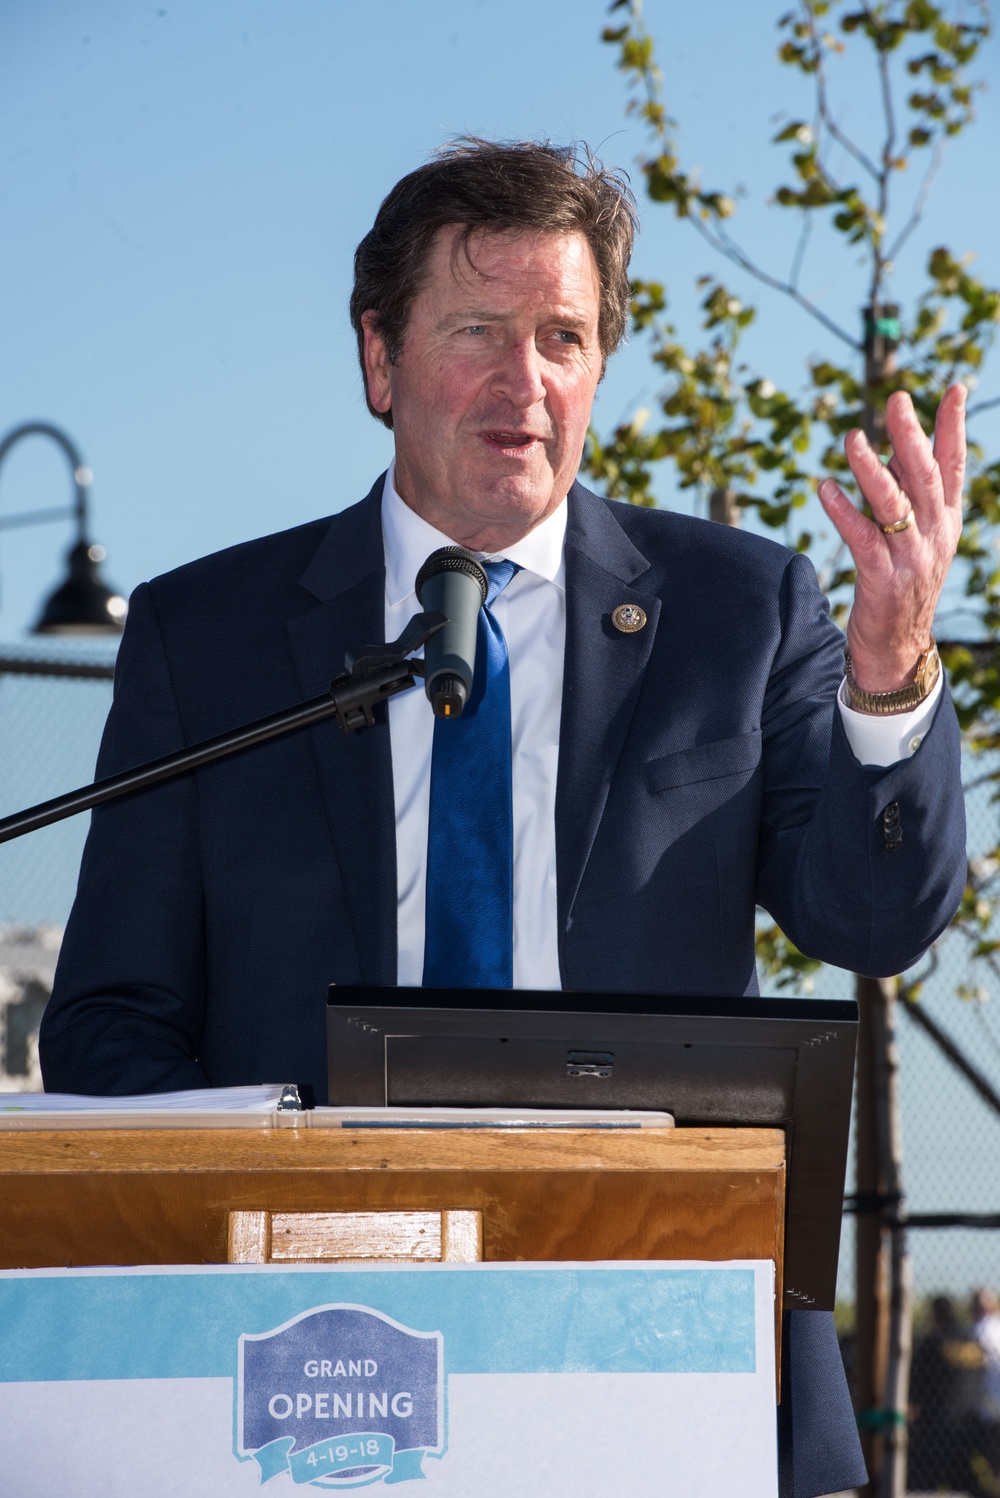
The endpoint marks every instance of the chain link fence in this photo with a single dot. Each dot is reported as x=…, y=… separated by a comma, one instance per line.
x=949, y=1054
x=51, y=712
x=52, y=709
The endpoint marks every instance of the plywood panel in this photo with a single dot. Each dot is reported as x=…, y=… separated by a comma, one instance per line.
x=147, y=1196
x=90, y=1151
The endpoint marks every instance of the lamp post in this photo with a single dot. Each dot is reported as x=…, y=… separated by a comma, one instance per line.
x=82, y=604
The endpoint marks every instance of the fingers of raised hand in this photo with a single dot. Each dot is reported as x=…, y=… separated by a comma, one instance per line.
x=882, y=485
x=900, y=573
x=863, y=539
x=931, y=476
x=914, y=466
x=949, y=444
x=927, y=479
x=921, y=478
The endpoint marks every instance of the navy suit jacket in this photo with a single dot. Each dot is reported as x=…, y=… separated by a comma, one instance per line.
x=703, y=768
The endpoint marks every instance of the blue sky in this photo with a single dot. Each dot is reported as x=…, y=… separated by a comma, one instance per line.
x=182, y=185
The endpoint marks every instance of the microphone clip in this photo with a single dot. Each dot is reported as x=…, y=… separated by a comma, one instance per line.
x=373, y=673
x=369, y=658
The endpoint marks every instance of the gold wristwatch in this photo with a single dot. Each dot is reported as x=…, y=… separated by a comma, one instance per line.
x=904, y=698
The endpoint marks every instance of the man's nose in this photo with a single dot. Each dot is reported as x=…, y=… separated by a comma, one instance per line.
x=519, y=374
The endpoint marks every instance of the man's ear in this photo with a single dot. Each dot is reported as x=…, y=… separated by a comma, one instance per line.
x=378, y=365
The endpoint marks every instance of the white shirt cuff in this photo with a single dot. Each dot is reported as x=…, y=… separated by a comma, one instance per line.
x=885, y=740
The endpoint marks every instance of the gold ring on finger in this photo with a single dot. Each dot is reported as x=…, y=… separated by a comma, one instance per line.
x=899, y=525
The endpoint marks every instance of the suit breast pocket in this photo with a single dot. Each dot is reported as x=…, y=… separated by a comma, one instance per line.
x=722, y=760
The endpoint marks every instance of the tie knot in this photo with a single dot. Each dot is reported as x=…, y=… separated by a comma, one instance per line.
x=499, y=574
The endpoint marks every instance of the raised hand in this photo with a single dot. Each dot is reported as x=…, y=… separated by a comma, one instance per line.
x=918, y=496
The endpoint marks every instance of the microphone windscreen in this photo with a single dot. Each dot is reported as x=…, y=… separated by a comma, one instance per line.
x=453, y=582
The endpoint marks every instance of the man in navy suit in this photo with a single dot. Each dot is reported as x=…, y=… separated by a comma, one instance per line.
x=674, y=764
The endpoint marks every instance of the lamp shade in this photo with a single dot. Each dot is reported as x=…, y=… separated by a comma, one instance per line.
x=83, y=604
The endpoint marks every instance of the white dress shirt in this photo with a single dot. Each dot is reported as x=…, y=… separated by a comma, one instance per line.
x=531, y=611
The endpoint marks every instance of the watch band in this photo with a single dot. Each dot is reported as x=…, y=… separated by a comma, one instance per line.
x=904, y=698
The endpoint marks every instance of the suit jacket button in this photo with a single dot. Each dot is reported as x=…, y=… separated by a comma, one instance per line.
x=892, y=831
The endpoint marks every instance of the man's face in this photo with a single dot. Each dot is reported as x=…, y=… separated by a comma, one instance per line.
x=492, y=391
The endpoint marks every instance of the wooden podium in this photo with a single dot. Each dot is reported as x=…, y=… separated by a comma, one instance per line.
x=133, y=1195
x=202, y=1369
x=82, y=1196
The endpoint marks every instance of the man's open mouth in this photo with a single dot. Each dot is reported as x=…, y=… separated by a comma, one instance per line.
x=510, y=439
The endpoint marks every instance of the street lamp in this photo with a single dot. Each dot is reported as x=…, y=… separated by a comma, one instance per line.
x=82, y=604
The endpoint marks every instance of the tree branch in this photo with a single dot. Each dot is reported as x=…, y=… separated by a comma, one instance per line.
x=954, y=1054
x=825, y=114
x=719, y=240
x=723, y=245
x=983, y=406
x=845, y=141
x=921, y=202
x=878, y=266
x=800, y=250
x=987, y=1028
x=890, y=114
x=974, y=785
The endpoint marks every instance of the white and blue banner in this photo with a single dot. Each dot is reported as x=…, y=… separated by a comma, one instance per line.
x=541, y=1380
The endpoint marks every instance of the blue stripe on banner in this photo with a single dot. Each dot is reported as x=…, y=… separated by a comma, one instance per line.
x=578, y=1320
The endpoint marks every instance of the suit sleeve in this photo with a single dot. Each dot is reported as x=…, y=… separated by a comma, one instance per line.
x=862, y=866
x=127, y=1003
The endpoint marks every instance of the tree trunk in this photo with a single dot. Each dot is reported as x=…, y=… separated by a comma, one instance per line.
x=882, y=1270
x=722, y=506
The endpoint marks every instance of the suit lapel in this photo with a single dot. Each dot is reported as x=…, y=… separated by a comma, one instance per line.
x=602, y=678
x=347, y=578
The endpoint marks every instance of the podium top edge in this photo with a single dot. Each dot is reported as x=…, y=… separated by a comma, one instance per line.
x=562, y=1001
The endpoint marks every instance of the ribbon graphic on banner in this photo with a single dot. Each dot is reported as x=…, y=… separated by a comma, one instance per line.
x=368, y=1449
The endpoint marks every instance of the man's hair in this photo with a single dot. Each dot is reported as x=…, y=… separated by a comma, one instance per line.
x=497, y=187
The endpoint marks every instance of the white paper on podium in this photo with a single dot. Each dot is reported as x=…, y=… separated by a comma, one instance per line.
x=252, y=1099
x=481, y=1381
x=257, y=1108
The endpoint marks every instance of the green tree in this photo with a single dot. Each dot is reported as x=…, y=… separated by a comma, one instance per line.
x=734, y=437
x=731, y=434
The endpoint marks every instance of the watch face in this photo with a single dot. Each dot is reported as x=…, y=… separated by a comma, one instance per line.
x=930, y=670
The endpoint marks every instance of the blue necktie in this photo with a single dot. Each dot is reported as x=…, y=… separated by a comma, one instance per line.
x=469, y=925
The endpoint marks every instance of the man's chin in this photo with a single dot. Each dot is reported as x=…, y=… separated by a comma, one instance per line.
x=523, y=497
x=485, y=511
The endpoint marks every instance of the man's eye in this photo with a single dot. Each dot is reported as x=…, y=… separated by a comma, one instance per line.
x=476, y=328
x=566, y=335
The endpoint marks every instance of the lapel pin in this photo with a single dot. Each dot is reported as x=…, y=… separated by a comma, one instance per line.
x=628, y=617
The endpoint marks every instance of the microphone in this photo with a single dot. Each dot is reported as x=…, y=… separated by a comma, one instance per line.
x=454, y=583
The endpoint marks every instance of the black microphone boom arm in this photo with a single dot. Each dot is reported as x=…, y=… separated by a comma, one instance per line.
x=373, y=674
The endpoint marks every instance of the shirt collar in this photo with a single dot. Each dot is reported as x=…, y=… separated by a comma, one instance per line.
x=409, y=540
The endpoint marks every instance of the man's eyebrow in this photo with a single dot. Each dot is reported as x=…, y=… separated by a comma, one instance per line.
x=564, y=316
x=471, y=315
